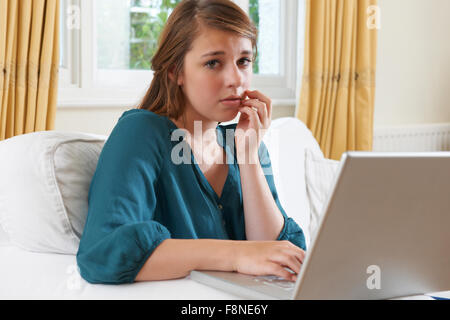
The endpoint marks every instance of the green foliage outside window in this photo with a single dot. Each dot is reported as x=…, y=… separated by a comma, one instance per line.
x=146, y=27
x=254, y=15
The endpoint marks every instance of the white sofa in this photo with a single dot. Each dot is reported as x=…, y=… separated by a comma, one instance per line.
x=44, y=182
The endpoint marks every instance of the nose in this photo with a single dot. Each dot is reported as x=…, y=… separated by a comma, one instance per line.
x=234, y=76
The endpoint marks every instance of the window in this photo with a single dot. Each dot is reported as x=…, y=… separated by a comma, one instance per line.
x=63, y=47
x=107, y=58
x=69, y=43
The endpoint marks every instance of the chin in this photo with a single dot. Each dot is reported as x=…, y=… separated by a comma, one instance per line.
x=228, y=116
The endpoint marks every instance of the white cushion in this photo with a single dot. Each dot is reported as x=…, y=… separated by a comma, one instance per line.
x=4, y=238
x=44, y=187
x=320, y=175
x=286, y=140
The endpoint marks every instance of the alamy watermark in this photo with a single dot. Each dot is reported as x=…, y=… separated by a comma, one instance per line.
x=73, y=17
x=374, y=17
x=374, y=280
x=73, y=281
x=210, y=154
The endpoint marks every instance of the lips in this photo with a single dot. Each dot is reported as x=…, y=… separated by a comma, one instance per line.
x=232, y=97
x=232, y=102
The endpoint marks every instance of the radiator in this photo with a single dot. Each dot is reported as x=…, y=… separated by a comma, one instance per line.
x=412, y=138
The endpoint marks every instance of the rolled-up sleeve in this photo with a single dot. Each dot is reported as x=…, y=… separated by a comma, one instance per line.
x=291, y=230
x=120, y=231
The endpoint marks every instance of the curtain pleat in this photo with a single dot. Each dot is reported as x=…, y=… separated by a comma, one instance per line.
x=29, y=59
x=22, y=58
x=338, y=84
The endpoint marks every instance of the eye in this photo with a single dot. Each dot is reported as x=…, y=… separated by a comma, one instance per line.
x=247, y=60
x=211, y=64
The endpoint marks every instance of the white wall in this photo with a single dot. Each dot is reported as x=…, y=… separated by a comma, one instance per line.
x=101, y=120
x=90, y=120
x=413, y=63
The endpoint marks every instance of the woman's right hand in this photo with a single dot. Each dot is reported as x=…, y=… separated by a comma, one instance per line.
x=261, y=258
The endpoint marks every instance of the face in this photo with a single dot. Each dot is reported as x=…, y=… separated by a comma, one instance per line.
x=207, y=79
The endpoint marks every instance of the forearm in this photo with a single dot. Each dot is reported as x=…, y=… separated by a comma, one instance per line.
x=176, y=258
x=263, y=219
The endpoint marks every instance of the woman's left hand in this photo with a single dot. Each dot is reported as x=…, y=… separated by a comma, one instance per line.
x=256, y=115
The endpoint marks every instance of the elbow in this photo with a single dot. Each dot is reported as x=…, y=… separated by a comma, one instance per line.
x=87, y=270
x=96, y=271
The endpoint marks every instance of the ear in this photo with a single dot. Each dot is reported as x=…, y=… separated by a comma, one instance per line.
x=172, y=76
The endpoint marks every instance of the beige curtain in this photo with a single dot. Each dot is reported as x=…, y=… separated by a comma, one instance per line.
x=338, y=84
x=29, y=62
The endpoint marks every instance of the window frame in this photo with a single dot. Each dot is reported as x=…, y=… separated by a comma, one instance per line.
x=70, y=41
x=78, y=87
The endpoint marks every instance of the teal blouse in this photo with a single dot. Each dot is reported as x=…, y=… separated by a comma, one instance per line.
x=141, y=194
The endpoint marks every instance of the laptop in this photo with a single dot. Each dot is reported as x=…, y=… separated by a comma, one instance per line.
x=384, y=233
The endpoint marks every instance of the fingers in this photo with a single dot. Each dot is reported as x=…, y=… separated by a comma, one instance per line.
x=252, y=116
x=258, y=95
x=287, y=259
x=279, y=271
x=271, y=258
x=299, y=253
x=290, y=256
x=261, y=109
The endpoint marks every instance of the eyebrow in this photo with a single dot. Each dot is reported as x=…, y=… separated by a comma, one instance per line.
x=218, y=53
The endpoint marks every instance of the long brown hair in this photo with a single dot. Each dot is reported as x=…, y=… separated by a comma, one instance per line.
x=165, y=96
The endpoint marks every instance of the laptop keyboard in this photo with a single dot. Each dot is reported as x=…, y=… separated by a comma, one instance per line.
x=275, y=282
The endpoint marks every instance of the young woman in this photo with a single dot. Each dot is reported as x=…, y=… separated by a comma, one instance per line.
x=153, y=217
